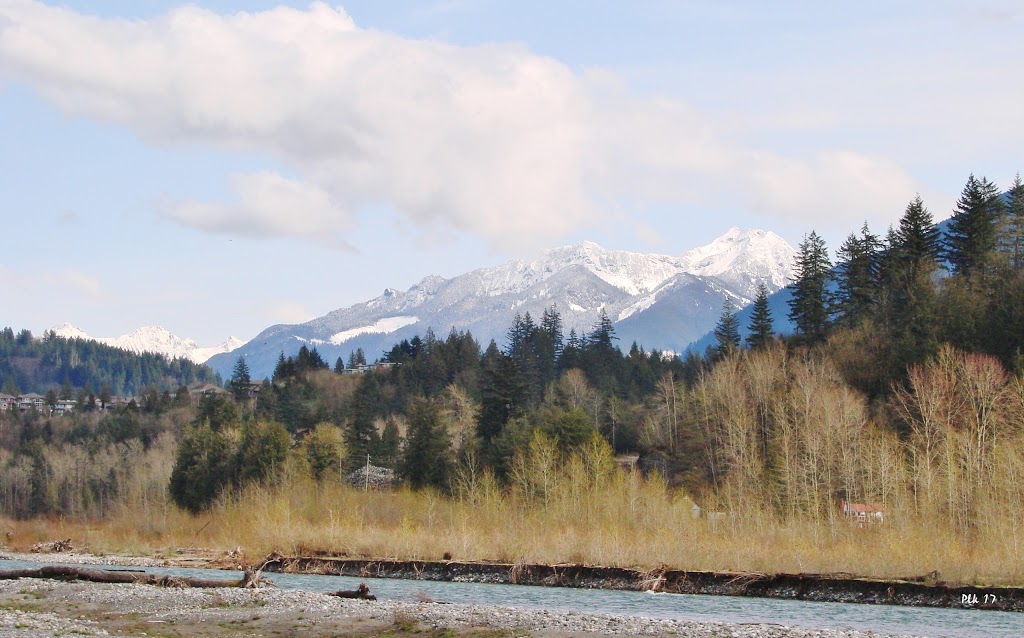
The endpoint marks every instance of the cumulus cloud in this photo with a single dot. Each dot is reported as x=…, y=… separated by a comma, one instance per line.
x=493, y=140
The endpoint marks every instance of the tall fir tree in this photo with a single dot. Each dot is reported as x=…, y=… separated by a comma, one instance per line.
x=971, y=239
x=808, y=307
x=1012, y=227
x=918, y=239
x=240, y=379
x=727, y=331
x=762, y=328
x=428, y=447
x=857, y=276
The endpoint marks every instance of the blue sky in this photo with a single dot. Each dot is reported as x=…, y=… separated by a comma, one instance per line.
x=216, y=172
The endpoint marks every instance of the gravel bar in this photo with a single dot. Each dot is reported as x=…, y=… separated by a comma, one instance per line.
x=305, y=611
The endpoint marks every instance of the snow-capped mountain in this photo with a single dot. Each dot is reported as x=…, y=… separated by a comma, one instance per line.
x=154, y=339
x=660, y=301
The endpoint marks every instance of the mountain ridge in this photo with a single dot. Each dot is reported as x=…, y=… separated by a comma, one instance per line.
x=635, y=289
x=154, y=339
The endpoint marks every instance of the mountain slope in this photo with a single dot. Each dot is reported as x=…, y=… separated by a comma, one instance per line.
x=154, y=339
x=661, y=301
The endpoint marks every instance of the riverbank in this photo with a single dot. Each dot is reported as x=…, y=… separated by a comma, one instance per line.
x=31, y=608
x=922, y=591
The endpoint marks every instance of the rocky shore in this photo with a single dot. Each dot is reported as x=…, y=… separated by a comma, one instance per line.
x=33, y=607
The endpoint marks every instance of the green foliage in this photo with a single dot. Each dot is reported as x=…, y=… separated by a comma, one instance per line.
x=972, y=235
x=762, y=328
x=36, y=365
x=727, y=331
x=324, y=451
x=428, y=448
x=239, y=383
x=857, y=276
x=202, y=467
x=261, y=452
x=809, y=304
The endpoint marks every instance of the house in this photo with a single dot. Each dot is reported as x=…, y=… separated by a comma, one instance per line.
x=862, y=512
x=205, y=390
x=7, y=402
x=64, y=406
x=380, y=366
x=31, y=401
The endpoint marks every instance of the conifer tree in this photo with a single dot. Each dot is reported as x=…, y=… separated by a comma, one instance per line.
x=857, y=276
x=239, y=384
x=1012, y=228
x=727, y=331
x=762, y=328
x=972, y=230
x=918, y=238
x=808, y=307
x=428, y=450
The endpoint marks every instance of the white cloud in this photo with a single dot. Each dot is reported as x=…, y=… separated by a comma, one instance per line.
x=268, y=205
x=492, y=140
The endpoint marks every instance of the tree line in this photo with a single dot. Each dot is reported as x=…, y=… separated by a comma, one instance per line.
x=69, y=366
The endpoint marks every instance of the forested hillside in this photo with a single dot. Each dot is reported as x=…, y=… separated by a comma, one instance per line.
x=70, y=365
x=900, y=391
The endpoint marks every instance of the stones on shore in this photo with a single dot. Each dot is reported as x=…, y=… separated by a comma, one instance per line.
x=180, y=606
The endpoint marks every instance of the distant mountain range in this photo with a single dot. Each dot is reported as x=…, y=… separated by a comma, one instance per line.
x=660, y=301
x=156, y=340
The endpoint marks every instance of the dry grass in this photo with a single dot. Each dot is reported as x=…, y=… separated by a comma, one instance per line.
x=627, y=521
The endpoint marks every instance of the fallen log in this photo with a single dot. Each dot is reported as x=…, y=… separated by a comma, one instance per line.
x=68, y=572
x=362, y=592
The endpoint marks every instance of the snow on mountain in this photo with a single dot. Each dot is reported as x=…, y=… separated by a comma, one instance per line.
x=661, y=301
x=154, y=339
x=384, y=326
x=743, y=259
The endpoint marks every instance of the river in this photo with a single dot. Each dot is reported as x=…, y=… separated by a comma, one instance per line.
x=887, y=619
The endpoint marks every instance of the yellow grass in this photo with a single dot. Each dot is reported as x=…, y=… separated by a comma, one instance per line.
x=628, y=522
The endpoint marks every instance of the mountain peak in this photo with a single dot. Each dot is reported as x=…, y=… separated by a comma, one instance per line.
x=154, y=339
x=759, y=256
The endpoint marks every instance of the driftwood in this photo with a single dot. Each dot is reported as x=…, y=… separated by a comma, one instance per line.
x=69, y=572
x=362, y=592
x=53, y=547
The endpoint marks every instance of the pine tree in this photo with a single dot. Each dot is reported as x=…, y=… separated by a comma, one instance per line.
x=727, y=331
x=857, y=276
x=239, y=384
x=918, y=238
x=808, y=307
x=1012, y=228
x=428, y=450
x=762, y=328
x=972, y=230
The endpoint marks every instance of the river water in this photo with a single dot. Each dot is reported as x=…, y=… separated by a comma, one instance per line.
x=887, y=619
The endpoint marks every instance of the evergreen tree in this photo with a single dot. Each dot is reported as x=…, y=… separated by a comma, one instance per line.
x=1012, y=228
x=727, y=331
x=857, y=276
x=201, y=468
x=239, y=384
x=918, y=239
x=428, y=447
x=261, y=453
x=971, y=239
x=808, y=307
x=762, y=328
x=339, y=366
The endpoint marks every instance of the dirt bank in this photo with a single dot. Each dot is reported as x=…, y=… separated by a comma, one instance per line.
x=817, y=587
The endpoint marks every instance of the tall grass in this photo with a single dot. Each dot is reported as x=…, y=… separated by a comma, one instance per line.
x=626, y=521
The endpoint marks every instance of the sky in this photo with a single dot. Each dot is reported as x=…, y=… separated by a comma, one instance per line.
x=219, y=167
